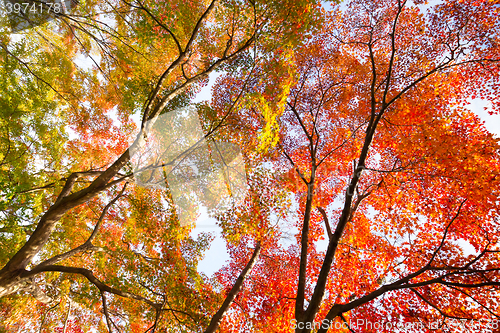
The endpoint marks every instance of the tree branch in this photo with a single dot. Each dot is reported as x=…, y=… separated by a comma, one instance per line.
x=89, y=275
x=327, y=223
x=88, y=243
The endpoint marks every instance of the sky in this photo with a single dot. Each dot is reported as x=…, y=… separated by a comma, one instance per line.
x=217, y=255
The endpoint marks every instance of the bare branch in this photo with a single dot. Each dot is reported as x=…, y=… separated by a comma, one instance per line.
x=67, y=316
x=445, y=233
x=45, y=316
x=89, y=275
x=88, y=243
x=214, y=323
x=327, y=223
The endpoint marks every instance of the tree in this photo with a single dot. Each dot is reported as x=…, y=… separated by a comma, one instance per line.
x=352, y=130
x=372, y=144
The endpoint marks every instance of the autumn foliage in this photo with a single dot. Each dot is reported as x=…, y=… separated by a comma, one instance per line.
x=372, y=190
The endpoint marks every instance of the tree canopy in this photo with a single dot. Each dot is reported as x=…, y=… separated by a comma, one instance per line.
x=355, y=190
